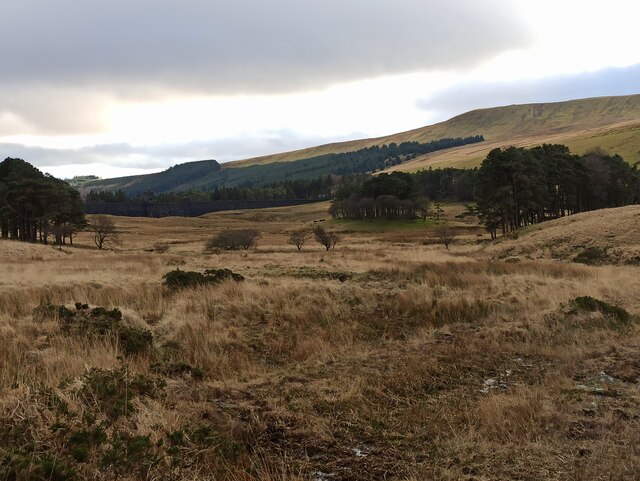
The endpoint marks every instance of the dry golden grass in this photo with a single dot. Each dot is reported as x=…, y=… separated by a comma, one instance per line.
x=614, y=231
x=385, y=358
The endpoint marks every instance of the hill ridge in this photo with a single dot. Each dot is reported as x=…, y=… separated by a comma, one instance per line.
x=611, y=122
x=423, y=133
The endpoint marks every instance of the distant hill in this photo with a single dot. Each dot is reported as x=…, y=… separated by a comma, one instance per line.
x=612, y=123
x=206, y=177
x=176, y=178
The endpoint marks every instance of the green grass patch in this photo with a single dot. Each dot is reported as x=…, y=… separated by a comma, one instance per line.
x=381, y=225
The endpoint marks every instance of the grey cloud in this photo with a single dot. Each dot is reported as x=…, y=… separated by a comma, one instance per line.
x=464, y=97
x=245, y=45
x=42, y=109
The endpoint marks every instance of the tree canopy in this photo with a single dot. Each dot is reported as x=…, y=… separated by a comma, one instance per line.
x=34, y=206
x=516, y=187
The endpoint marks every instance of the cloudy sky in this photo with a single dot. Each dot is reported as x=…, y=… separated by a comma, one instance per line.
x=122, y=87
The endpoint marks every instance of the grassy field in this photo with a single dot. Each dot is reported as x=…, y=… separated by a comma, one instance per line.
x=388, y=357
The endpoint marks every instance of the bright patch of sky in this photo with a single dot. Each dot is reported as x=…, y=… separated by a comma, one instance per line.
x=110, y=120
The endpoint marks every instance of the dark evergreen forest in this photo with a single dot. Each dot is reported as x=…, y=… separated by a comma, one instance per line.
x=513, y=188
x=35, y=206
x=276, y=180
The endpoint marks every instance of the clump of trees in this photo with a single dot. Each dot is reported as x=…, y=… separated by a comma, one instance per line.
x=233, y=240
x=516, y=187
x=401, y=195
x=35, y=207
x=513, y=188
x=384, y=206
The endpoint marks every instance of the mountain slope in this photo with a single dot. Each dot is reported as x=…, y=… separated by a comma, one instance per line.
x=571, y=121
x=612, y=123
x=176, y=178
x=611, y=234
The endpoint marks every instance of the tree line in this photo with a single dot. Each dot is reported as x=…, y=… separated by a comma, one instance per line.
x=514, y=187
x=401, y=195
x=304, y=179
x=36, y=206
x=296, y=189
x=378, y=157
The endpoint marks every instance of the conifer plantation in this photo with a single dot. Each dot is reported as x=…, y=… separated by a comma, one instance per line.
x=35, y=207
x=513, y=188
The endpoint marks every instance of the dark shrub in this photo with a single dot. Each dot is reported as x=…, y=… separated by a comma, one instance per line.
x=113, y=390
x=160, y=248
x=177, y=369
x=178, y=279
x=593, y=256
x=131, y=455
x=590, y=304
x=96, y=322
x=83, y=442
x=134, y=340
x=233, y=240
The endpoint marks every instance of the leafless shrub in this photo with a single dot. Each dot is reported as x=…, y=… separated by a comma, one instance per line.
x=445, y=235
x=233, y=240
x=326, y=238
x=298, y=238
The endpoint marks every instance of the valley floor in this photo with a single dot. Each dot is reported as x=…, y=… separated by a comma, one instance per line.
x=388, y=357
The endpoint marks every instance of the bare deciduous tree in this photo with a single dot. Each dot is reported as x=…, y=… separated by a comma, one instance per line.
x=233, y=240
x=103, y=231
x=298, y=238
x=327, y=239
x=445, y=234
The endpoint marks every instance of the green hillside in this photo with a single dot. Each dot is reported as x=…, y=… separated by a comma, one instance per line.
x=612, y=123
x=579, y=119
x=206, y=176
x=178, y=177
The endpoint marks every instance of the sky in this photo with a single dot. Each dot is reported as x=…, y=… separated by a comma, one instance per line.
x=117, y=87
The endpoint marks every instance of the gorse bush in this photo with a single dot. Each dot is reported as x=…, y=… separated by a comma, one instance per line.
x=29, y=467
x=178, y=279
x=593, y=256
x=112, y=391
x=590, y=304
x=177, y=369
x=133, y=340
x=96, y=322
x=84, y=441
x=131, y=455
x=233, y=240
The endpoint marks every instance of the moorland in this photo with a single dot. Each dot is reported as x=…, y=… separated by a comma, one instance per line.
x=385, y=357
